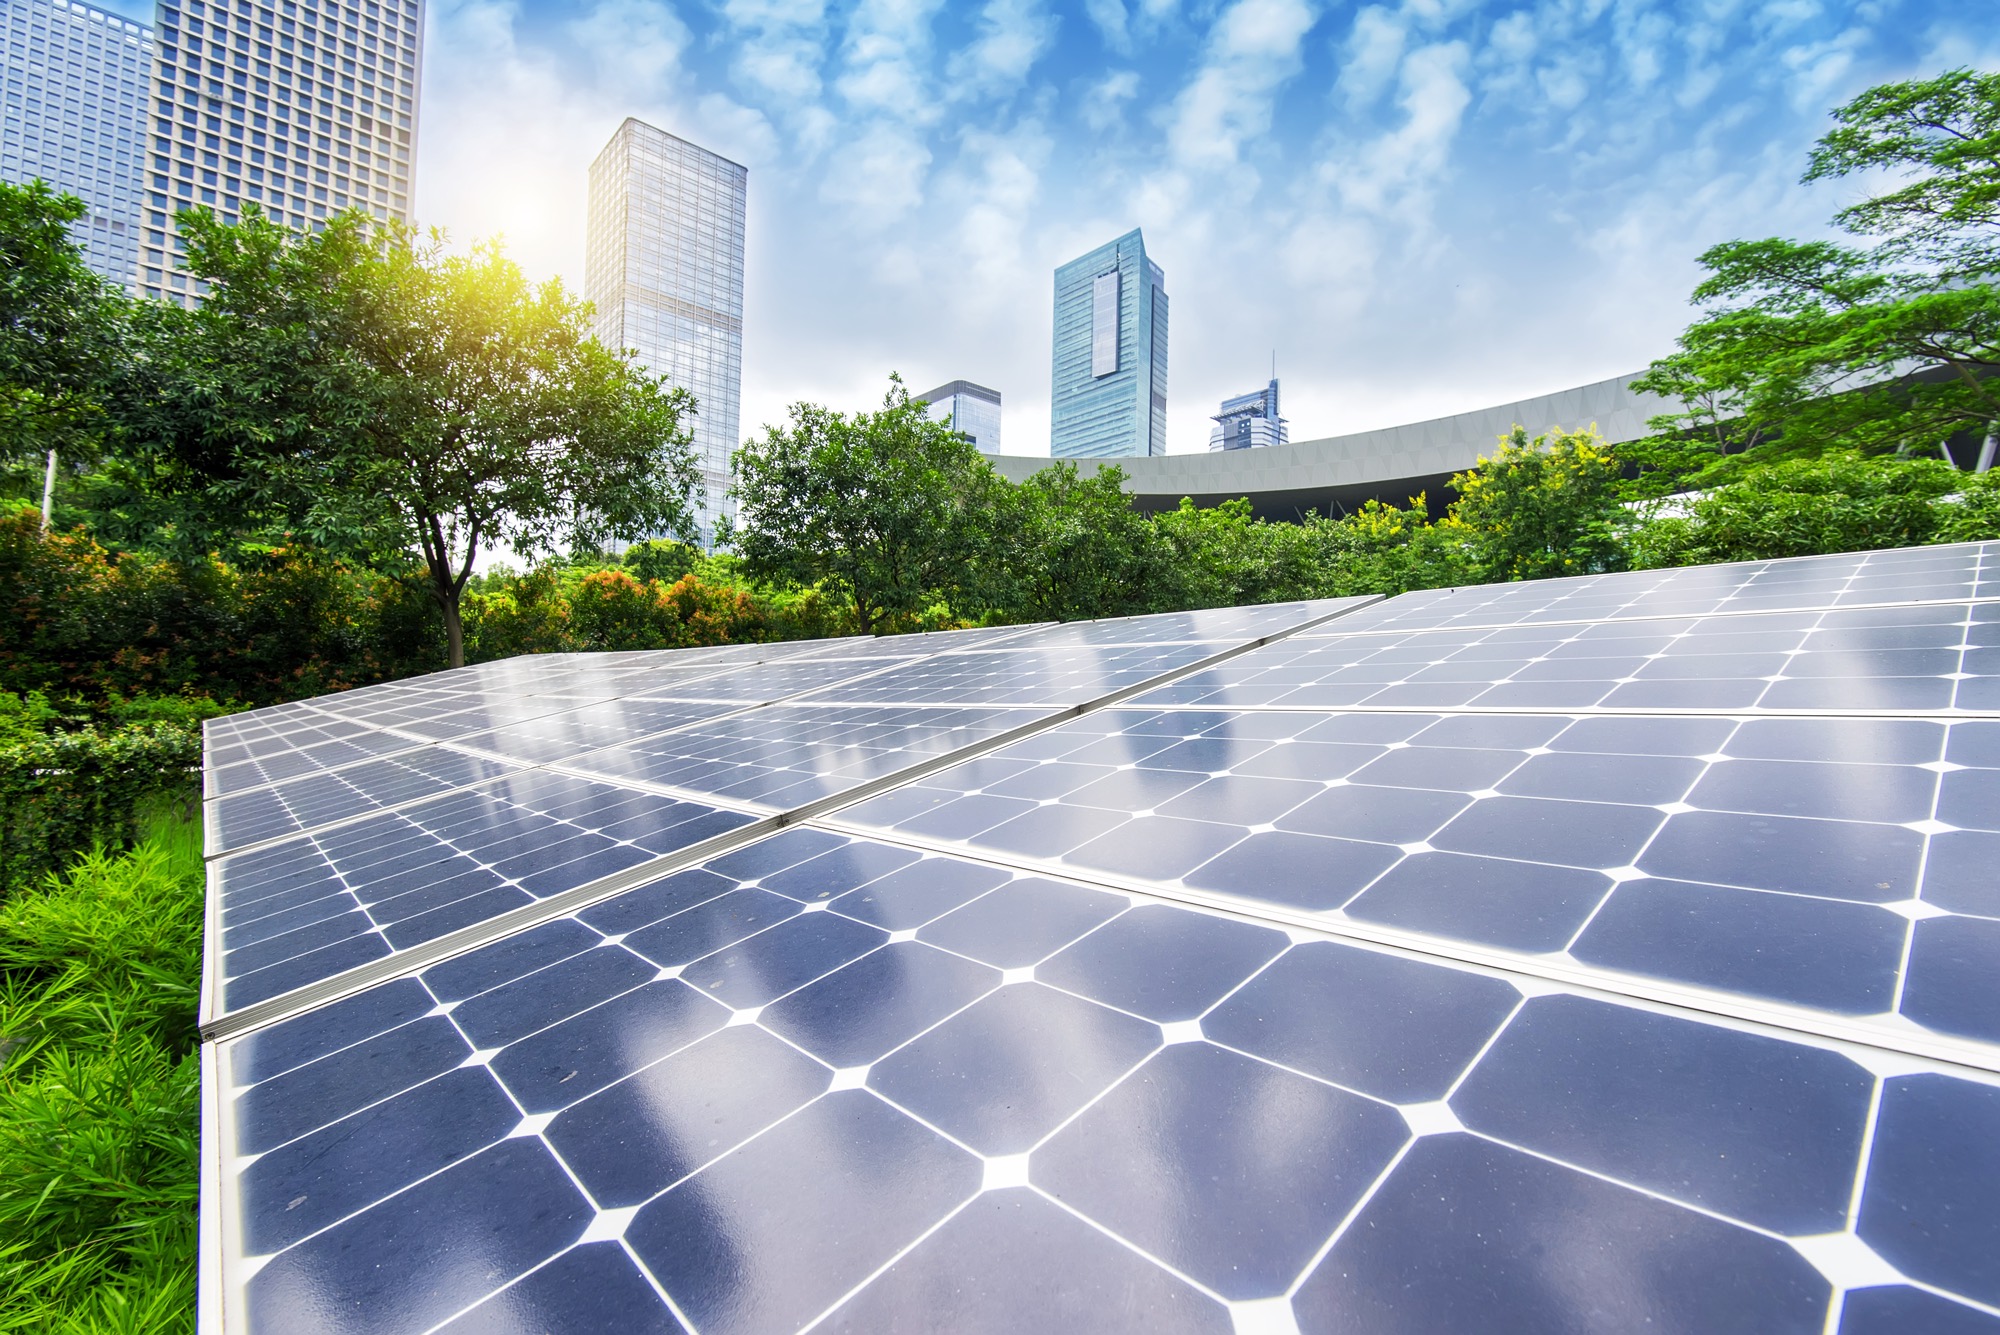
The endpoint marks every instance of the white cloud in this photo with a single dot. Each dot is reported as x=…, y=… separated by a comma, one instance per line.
x=1104, y=105
x=636, y=45
x=1370, y=55
x=1013, y=35
x=1393, y=174
x=1109, y=16
x=877, y=176
x=888, y=57
x=1253, y=50
x=780, y=46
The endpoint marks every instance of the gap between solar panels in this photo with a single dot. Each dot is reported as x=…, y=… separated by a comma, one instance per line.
x=422, y=955
x=1968, y=1053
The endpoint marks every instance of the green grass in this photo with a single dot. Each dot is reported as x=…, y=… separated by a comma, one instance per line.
x=99, y=1089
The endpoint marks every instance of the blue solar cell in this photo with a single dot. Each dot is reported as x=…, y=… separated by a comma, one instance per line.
x=926, y=889
x=1461, y=1234
x=593, y=1285
x=1180, y=1159
x=1951, y=972
x=1929, y=1205
x=1003, y=1073
x=1761, y=1130
x=736, y=1266
x=1380, y=1024
x=579, y=1055
x=1162, y=963
x=636, y=1138
x=968, y=1277
x=1520, y=905
x=1022, y=922
x=864, y=1010
x=1824, y=954
x=500, y=1212
x=1838, y=859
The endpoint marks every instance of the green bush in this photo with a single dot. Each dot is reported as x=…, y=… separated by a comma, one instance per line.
x=61, y=793
x=99, y=1091
x=1838, y=502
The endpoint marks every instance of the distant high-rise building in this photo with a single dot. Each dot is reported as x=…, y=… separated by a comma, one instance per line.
x=973, y=411
x=1109, y=381
x=1249, y=421
x=302, y=107
x=74, y=79
x=664, y=267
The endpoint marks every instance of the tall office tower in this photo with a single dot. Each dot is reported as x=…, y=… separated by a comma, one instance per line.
x=973, y=411
x=1109, y=382
x=664, y=267
x=1249, y=421
x=74, y=81
x=303, y=107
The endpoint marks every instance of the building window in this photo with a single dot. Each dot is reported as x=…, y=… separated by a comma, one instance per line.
x=1104, y=324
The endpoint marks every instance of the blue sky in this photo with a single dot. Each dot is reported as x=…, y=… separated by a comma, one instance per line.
x=1421, y=207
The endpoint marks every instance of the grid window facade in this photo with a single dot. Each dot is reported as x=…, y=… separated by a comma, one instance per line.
x=664, y=267
x=1109, y=377
x=301, y=107
x=973, y=411
x=74, y=106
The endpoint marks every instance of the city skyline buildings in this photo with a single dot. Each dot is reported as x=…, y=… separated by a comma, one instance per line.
x=663, y=265
x=1250, y=421
x=74, y=78
x=1108, y=372
x=301, y=107
x=973, y=411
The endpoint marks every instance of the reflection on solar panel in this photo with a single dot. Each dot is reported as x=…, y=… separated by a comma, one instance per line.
x=1602, y=954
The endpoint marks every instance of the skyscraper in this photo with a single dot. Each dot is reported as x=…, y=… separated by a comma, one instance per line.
x=75, y=79
x=1109, y=381
x=1249, y=421
x=664, y=266
x=304, y=107
x=973, y=411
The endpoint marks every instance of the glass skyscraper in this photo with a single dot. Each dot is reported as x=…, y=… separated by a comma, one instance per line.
x=1249, y=421
x=304, y=107
x=1109, y=380
x=75, y=80
x=973, y=411
x=664, y=266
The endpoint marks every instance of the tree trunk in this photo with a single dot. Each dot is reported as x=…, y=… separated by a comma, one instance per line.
x=454, y=628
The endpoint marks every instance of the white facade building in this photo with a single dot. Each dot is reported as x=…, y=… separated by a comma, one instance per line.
x=663, y=264
x=302, y=107
x=75, y=80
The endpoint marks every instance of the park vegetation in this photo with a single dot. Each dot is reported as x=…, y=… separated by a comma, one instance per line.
x=287, y=491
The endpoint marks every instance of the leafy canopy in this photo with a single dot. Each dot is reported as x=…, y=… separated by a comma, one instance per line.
x=889, y=507
x=390, y=398
x=1884, y=341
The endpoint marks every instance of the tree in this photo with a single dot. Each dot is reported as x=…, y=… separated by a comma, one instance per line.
x=1072, y=548
x=889, y=507
x=60, y=329
x=393, y=398
x=1888, y=341
x=1542, y=508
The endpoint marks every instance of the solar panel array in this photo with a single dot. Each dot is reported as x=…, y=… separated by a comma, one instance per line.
x=1596, y=954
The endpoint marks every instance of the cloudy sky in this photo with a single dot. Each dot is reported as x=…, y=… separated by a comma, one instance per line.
x=1420, y=207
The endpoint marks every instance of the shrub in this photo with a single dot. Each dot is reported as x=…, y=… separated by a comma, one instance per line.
x=1838, y=502
x=61, y=793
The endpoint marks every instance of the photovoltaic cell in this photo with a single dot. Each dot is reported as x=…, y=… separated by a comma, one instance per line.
x=1589, y=954
x=587, y=1126
x=330, y=796
x=1915, y=574
x=317, y=905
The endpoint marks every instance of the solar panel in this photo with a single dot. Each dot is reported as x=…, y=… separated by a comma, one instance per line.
x=1106, y=977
